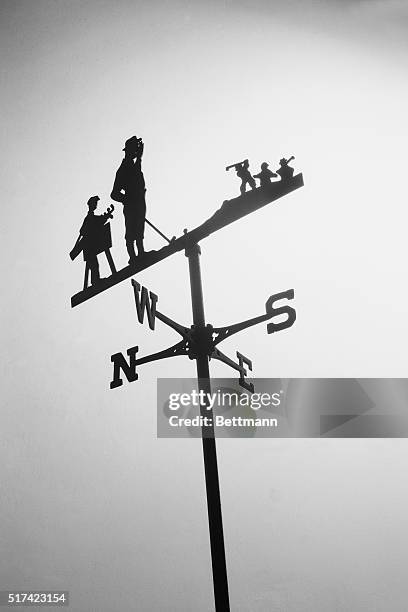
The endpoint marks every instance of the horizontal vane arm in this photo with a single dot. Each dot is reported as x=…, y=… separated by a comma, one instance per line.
x=217, y=354
x=173, y=351
x=180, y=329
x=222, y=333
x=241, y=367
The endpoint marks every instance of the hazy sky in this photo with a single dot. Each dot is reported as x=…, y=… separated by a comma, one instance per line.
x=90, y=498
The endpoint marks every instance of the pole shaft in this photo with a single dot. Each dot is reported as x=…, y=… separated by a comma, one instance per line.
x=219, y=567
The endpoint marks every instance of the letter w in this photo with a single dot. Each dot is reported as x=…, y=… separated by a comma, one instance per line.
x=143, y=303
x=120, y=363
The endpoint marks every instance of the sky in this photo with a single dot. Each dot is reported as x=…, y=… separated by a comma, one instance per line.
x=92, y=501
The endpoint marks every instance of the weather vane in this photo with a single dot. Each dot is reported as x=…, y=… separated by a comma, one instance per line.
x=200, y=340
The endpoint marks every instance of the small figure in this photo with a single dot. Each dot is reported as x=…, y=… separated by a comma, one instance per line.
x=242, y=170
x=285, y=171
x=129, y=189
x=94, y=238
x=265, y=175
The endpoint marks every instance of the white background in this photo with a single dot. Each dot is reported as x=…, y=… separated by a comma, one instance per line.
x=92, y=501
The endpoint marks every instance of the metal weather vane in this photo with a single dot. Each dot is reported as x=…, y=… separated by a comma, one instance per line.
x=200, y=340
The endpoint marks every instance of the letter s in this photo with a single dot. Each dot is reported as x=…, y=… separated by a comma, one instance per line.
x=281, y=310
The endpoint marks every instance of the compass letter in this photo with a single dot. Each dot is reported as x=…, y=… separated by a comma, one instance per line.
x=244, y=360
x=120, y=363
x=145, y=301
x=281, y=310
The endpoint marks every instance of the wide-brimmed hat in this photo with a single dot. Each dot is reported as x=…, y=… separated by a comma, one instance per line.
x=132, y=143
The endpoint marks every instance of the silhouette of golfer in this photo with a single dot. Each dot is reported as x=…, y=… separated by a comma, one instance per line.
x=129, y=189
x=242, y=170
x=265, y=175
x=94, y=238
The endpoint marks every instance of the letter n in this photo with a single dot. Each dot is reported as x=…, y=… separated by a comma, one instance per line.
x=145, y=301
x=120, y=363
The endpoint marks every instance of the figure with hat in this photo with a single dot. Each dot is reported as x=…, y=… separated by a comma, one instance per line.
x=94, y=238
x=129, y=189
x=285, y=171
x=265, y=175
x=242, y=170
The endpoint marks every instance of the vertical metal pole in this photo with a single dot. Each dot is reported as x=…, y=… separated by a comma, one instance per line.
x=219, y=567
